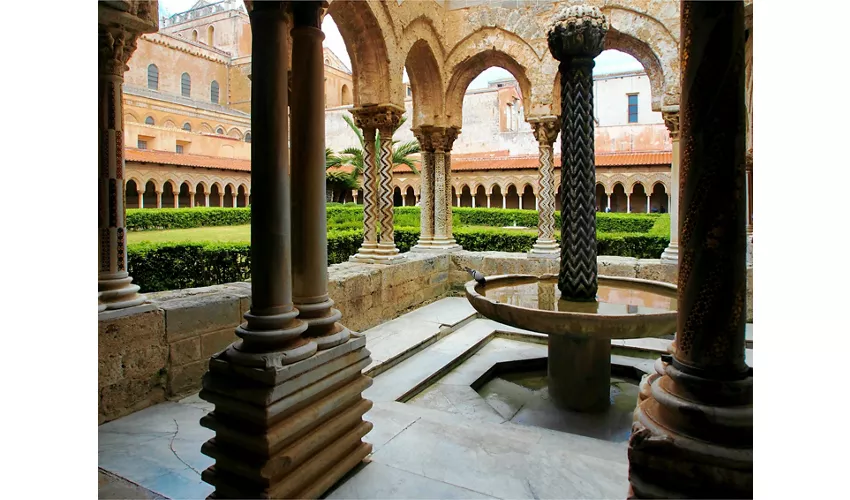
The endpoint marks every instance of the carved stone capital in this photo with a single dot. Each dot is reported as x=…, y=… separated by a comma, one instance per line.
x=578, y=31
x=384, y=117
x=115, y=46
x=671, y=120
x=423, y=135
x=443, y=138
x=546, y=129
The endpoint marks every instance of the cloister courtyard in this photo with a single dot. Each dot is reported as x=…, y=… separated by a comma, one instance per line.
x=566, y=325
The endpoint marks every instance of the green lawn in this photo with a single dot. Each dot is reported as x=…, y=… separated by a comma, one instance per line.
x=216, y=233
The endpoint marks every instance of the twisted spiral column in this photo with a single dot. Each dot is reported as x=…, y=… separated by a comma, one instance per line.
x=546, y=131
x=575, y=39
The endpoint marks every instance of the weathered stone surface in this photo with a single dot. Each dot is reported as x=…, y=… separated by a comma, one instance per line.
x=136, y=330
x=144, y=361
x=190, y=316
x=655, y=270
x=130, y=395
x=185, y=378
x=185, y=351
x=214, y=342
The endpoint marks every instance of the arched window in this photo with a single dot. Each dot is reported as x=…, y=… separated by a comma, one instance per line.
x=345, y=97
x=210, y=35
x=219, y=131
x=247, y=136
x=149, y=120
x=185, y=85
x=194, y=35
x=187, y=127
x=153, y=77
x=214, y=92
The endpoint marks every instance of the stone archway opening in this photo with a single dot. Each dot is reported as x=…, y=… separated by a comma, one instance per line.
x=638, y=200
x=618, y=199
x=150, y=197
x=228, y=196
x=215, y=196
x=480, y=197
x=497, y=199
x=398, y=200
x=454, y=197
x=131, y=194
x=409, y=197
x=659, y=200
x=200, y=195
x=601, y=198
x=241, y=198
x=511, y=197
x=529, y=200
x=465, y=196
x=184, y=199
x=168, y=195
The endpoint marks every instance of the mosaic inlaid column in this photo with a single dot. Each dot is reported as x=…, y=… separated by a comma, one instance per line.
x=546, y=247
x=671, y=119
x=694, y=433
x=370, y=194
x=287, y=419
x=114, y=284
x=309, y=219
x=447, y=138
x=575, y=40
x=386, y=240
x=426, y=188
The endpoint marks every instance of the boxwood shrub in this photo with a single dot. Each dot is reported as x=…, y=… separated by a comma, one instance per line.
x=147, y=219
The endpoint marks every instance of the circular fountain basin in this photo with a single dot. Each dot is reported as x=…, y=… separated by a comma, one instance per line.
x=627, y=307
x=580, y=333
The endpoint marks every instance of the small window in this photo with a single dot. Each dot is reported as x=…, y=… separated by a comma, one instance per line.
x=214, y=92
x=153, y=77
x=194, y=35
x=186, y=85
x=633, y=108
x=409, y=92
x=187, y=127
x=149, y=120
x=142, y=144
x=210, y=36
x=219, y=131
x=179, y=148
x=247, y=136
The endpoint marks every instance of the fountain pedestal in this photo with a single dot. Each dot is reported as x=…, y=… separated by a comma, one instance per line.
x=580, y=372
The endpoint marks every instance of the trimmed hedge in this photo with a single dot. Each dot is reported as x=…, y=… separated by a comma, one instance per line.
x=147, y=219
x=170, y=266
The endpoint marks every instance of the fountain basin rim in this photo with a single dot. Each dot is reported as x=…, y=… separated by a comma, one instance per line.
x=574, y=324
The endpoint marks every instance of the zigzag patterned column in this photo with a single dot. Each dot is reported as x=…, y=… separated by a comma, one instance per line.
x=426, y=189
x=386, y=242
x=575, y=39
x=546, y=131
x=115, y=46
x=693, y=435
x=370, y=194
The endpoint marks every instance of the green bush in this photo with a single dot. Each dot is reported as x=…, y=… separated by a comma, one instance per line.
x=171, y=266
x=146, y=219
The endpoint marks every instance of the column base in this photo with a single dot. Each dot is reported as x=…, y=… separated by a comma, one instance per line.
x=376, y=258
x=441, y=244
x=286, y=431
x=119, y=293
x=699, y=445
x=670, y=255
x=545, y=249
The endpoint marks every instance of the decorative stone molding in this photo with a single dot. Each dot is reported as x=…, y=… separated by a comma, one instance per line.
x=671, y=120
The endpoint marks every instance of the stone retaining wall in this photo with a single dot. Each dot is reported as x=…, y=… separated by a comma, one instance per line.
x=147, y=357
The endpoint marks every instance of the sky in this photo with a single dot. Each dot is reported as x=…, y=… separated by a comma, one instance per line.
x=609, y=61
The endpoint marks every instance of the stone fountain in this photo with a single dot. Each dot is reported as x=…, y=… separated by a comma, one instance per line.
x=580, y=311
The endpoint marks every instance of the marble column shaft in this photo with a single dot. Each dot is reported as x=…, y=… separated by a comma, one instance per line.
x=115, y=288
x=426, y=188
x=546, y=131
x=693, y=434
x=309, y=222
x=442, y=192
x=671, y=119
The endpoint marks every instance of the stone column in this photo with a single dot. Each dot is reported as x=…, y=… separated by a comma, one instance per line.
x=158, y=199
x=488, y=200
x=438, y=141
x=473, y=200
x=607, y=199
x=458, y=200
x=504, y=201
x=287, y=421
x=206, y=199
x=191, y=199
x=377, y=248
x=141, y=199
x=546, y=247
x=221, y=200
x=671, y=119
x=694, y=433
x=177, y=200
x=354, y=195
x=629, y=203
x=648, y=208
x=115, y=46
x=520, y=200
x=575, y=39
x=309, y=222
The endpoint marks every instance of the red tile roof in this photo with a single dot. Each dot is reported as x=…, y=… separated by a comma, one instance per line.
x=500, y=160
x=186, y=160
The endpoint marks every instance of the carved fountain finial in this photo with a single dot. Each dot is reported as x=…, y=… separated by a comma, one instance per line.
x=577, y=31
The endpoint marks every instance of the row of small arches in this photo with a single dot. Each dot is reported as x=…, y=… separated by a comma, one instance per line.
x=185, y=84
x=234, y=132
x=169, y=196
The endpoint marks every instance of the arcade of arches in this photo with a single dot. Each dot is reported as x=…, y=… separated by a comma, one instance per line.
x=292, y=386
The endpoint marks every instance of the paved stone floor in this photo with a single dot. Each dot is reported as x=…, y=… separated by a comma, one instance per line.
x=443, y=442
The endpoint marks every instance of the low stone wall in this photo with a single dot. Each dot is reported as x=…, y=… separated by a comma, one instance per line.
x=147, y=357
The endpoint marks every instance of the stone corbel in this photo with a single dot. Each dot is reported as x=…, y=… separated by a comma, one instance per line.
x=671, y=119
